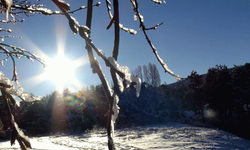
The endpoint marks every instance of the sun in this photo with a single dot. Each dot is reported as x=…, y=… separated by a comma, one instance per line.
x=61, y=71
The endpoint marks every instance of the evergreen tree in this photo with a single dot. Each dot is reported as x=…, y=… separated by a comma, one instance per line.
x=219, y=91
x=34, y=119
x=197, y=85
x=241, y=82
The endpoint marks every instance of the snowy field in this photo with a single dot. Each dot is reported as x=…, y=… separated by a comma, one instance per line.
x=167, y=137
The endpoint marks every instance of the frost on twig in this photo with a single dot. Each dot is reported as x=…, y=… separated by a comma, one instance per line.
x=74, y=25
x=159, y=1
x=18, y=52
x=8, y=36
x=128, y=79
x=8, y=85
x=27, y=8
x=115, y=109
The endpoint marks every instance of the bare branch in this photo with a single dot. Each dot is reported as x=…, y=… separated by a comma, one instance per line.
x=154, y=27
x=117, y=29
x=15, y=77
x=116, y=45
x=83, y=7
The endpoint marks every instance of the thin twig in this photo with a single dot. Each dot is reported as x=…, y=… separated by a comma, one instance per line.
x=154, y=27
x=15, y=77
x=19, y=52
x=46, y=11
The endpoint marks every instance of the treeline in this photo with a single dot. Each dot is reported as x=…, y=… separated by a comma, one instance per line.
x=73, y=112
x=218, y=99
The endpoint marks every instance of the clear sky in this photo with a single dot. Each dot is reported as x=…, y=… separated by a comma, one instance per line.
x=196, y=35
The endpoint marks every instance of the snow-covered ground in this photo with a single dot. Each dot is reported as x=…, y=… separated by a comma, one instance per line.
x=161, y=137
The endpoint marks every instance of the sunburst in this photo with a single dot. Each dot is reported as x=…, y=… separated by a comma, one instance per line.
x=60, y=69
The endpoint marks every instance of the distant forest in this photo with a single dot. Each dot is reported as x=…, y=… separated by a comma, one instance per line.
x=219, y=99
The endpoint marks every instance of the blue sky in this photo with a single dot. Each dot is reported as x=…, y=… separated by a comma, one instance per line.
x=196, y=35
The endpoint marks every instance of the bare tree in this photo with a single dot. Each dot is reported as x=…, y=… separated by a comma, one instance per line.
x=137, y=72
x=151, y=75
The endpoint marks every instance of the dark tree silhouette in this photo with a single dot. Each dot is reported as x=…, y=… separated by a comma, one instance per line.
x=219, y=90
x=241, y=82
x=197, y=85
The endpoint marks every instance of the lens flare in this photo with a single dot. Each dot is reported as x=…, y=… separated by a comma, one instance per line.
x=209, y=113
x=76, y=100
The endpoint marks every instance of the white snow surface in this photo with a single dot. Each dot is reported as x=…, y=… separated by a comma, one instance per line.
x=156, y=137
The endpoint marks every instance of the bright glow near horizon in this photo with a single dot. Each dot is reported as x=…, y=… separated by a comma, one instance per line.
x=60, y=70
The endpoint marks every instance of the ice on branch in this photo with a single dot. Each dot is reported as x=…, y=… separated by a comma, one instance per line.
x=62, y=4
x=159, y=1
x=142, y=19
x=131, y=31
x=115, y=109
x=129, y=79
x=84, y=32
x=137, y=86
x=114, y=63
x=44, y=11
x=126, y=80
x=5, y=81
x=120, y=84
x=176, y=76
x=74, y=25
x=135, y=17
x=8, y=85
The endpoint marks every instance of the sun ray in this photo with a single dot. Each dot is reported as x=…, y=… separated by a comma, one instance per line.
x=60, y=70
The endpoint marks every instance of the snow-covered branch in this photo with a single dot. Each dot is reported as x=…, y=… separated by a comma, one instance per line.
x=8, y=86
x=17, y=52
